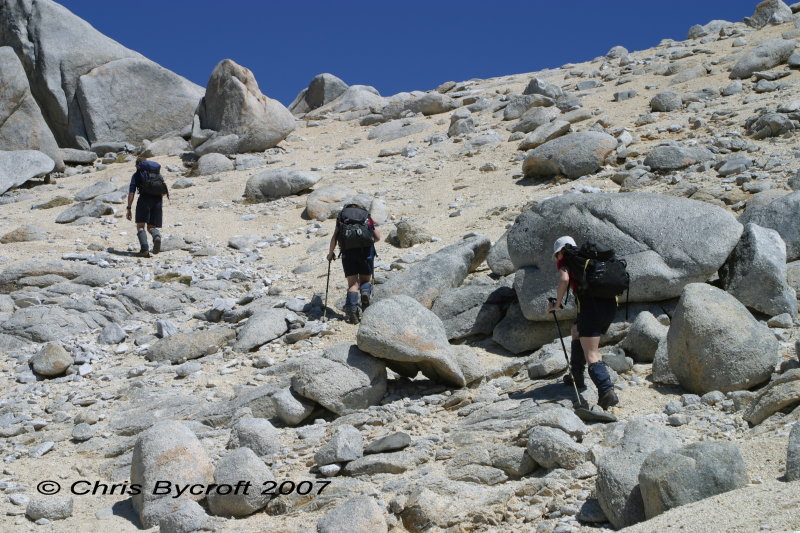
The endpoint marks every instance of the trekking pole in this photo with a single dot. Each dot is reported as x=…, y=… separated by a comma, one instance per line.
x=327, y=284
x=564, y=347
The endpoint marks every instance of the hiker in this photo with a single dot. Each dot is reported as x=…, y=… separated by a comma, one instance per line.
x=356, y=236
x=151, y=186
x=594, y=317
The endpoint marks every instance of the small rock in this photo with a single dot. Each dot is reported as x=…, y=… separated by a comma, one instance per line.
x=49, y=507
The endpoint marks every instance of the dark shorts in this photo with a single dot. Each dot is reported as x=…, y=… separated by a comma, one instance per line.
x=595, y=315
x=148, y=210
x=358, y=261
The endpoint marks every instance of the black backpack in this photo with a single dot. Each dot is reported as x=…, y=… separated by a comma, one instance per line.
x=152, y=182
x=596, y=271
x=354, y=231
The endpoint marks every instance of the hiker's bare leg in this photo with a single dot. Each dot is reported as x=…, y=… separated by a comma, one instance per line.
x=591, y=349
x=574, y=332
x=352, y=283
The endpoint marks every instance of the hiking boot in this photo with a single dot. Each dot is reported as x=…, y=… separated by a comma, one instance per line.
x=579, y=380
x=608, y=399
x=156, y=244
x=143, y=253
x=353, y=314
x=365, y=296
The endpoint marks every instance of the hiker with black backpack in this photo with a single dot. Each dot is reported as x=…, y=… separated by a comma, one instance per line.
x=356, y=236
x=596, y=278
x=147, y=180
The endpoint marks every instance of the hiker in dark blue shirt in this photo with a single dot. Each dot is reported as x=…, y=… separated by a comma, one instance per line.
x=147, y=180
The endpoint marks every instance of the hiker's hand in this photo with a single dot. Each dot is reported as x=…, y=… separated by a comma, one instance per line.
x=128, y=213
x=330, y=257
x=551, y=306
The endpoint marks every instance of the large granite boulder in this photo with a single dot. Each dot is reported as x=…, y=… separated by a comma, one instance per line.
x=236, y=468
x=715, y=344
x=781, y=392
x=234, y=105
x=73, y=69
x=323, y=89
x=763, y=56
x=755, y=273
x=343, y=380
x=19, y=166
x=666, y=241
x=472, y=309
x=668, y=157
x=279, y=182
x=534, y=286
x=22, y=126
x=573, y=155
x=356, y=99
x=164, y=100
x=772, y=209
x=263, y=327
x=442, y=270
x=644, y=336
x=426, y=104
x=670, y=478
x=769, y=12
x=359, y=514
x=517, y=334
x=327, y=201
x=498, y=260
x=617, y=485
x=168, y=451
x=187, y=345
x=400, y=330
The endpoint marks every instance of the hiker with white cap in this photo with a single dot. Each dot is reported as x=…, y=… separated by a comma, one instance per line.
x=594, y=318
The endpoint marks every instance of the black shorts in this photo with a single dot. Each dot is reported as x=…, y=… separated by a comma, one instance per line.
x=358, y=261
x=148, y=210
x=595, y=315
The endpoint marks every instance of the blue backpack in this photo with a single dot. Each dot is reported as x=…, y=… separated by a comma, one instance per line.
x=152, y=182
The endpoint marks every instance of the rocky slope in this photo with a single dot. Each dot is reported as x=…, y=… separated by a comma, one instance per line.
x=442, y=411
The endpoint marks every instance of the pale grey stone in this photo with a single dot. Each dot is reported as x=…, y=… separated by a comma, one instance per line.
x=714, y=343
x=755, y=273
x=234, y=105
x=52, y=360
x=347, y=444
x=257, y=434
x=240, y=466
x=22, y=126
x=764, y=56
x=49, y=507
x=343, y=380
x=573, y=155
x=279, y=182
x=19, y=166
x=654, y=233
x=360, y=514
x=671, y=478
x=167, y=451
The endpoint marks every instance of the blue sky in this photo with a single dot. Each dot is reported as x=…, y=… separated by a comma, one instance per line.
x=393, y=46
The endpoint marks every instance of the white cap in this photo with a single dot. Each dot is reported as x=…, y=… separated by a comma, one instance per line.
x=561, y=242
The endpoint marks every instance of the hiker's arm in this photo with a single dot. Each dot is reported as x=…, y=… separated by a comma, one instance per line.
x=130, y=203
x=561, y=290
x=131, y=194
x=332, y=246
x=376, y=233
